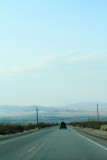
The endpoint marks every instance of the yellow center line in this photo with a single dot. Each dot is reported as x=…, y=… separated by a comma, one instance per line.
x=30, y=150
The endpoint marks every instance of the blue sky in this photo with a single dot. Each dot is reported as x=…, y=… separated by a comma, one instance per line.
x=53, y=52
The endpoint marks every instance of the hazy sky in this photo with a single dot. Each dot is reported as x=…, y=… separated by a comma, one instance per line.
x=53, y=52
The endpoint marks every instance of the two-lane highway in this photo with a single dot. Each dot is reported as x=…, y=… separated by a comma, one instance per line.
x=52, y=144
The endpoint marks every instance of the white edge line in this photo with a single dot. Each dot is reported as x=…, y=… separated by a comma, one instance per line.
x=92, y=141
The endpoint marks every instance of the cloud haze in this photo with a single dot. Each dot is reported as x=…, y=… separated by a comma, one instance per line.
x=91, y=56
x=53, y=53
x=18, y=71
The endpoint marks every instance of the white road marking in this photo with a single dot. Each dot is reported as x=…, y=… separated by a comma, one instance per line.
x=92, y=141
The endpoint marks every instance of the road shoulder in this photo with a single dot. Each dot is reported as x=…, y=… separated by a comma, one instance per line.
x=93, y=132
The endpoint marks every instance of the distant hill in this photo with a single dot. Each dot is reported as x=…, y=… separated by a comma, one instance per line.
x=76, y=111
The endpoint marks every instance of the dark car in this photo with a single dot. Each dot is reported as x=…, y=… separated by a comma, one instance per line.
x=63, y=125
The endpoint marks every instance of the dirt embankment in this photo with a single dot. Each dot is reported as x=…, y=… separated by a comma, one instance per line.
x=17, y=134
x=94, y=132
x=21, y=133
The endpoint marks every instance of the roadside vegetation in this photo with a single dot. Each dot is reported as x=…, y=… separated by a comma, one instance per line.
x=91, y=124
x=15, y=128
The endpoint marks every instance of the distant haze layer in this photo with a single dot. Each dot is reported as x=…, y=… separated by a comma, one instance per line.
x=79, y=109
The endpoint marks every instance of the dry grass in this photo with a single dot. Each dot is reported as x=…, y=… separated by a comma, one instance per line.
x=104, y=127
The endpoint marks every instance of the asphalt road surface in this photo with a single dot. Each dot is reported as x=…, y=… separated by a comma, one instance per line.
x=53, y=144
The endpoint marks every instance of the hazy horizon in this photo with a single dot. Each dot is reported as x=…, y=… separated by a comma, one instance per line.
x=71, y=110
x=68, y=104
x=53, y=53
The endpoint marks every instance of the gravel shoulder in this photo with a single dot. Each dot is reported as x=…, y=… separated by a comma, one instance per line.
x=93, y=132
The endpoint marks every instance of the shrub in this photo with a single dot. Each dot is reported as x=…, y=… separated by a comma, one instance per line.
x=15, y=128
x=89, y=124
x=30, y=126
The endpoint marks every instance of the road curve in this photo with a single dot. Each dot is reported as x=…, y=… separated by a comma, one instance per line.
x=52, y=144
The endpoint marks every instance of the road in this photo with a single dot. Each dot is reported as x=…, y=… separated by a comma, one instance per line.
x=53, y=144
